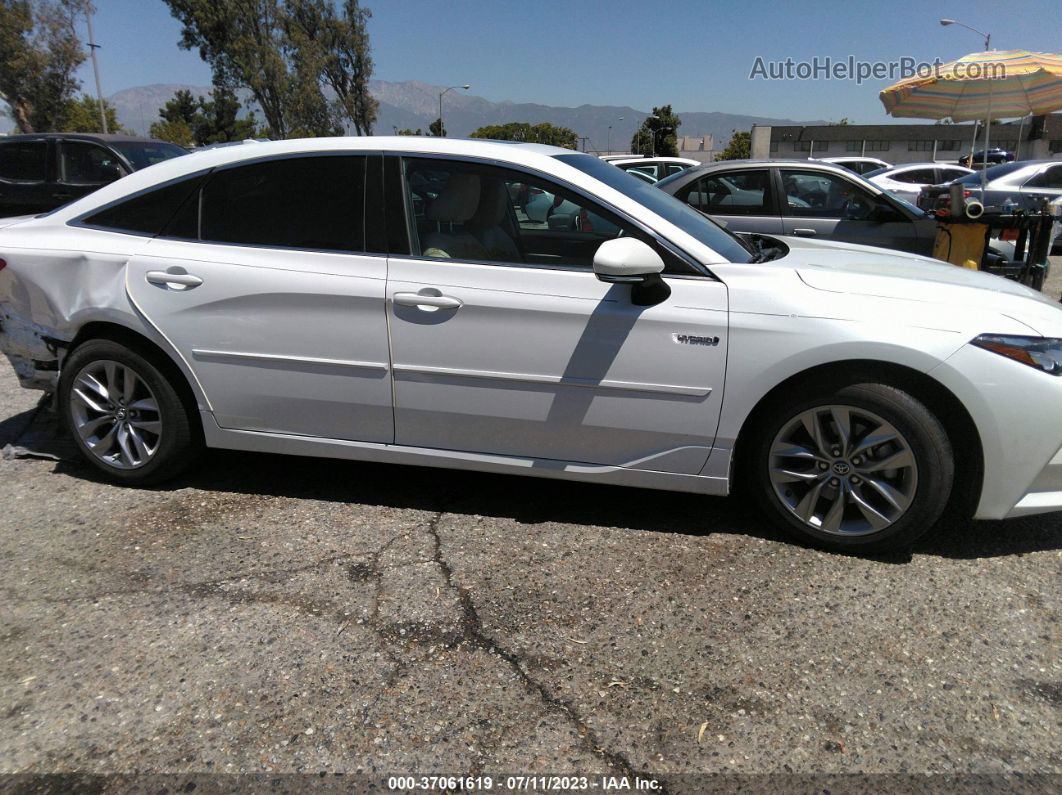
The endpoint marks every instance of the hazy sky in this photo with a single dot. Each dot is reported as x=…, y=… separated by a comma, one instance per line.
x=697, y=55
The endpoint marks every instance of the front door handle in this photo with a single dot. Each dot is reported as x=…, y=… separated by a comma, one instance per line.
x=164, y=279
x=804, y=232
x=422, y=300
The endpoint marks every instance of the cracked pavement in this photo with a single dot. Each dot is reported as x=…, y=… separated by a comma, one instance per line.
x=274, y=614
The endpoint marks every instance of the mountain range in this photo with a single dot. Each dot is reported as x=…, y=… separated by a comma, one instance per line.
x=413, y=105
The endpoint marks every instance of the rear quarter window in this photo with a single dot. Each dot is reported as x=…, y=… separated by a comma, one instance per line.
x=149, y=213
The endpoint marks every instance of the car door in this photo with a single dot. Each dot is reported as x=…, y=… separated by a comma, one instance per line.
x=828, y=205
x=504, y=342
x=24, y=177
x=83, y=168
x=742, y=199
x=264, y=287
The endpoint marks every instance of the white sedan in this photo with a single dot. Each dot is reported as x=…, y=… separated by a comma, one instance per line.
x=907, y=181
x=381, y=299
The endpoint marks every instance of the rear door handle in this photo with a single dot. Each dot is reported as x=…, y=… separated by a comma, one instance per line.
x=421, y=300
x=804, y=232
x=165, y=279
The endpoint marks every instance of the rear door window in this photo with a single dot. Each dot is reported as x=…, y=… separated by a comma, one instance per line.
x=916, y=176
x=314, y=203
x=731, y=193
x=24, y=161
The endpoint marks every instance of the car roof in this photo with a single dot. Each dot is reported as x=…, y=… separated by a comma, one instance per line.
x=523, y=154
x=651, y=160
x=107, y=138
x=820, y=165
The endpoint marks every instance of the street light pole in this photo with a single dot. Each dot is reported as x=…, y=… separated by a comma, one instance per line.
x=93, y=46
x=441, y=95
x=988, y=36
x=610, y=135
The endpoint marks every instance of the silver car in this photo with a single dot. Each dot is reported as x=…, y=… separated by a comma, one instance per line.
x=383, y=299
x=805, y=198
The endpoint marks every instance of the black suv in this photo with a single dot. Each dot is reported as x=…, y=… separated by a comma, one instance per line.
x=41, y=171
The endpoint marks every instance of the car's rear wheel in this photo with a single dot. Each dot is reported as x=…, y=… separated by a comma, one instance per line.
x=126, y=416
x=862, y=468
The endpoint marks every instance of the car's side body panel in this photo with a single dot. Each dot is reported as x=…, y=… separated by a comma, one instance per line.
x=553, y=363
x=281, y=340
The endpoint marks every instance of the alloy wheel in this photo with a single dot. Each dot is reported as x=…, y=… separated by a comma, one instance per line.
x=843, y=470
x=116, y=414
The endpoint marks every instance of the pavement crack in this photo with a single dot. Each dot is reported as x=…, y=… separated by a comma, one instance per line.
x=474, y=635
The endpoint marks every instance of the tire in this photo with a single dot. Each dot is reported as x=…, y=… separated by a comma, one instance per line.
x=838, y=496
x=123, y=410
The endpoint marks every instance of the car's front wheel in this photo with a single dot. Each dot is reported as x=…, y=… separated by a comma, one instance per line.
x=861, y=468
x=125, y=414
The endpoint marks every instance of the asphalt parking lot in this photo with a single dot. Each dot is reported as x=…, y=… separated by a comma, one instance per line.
x=272, y=614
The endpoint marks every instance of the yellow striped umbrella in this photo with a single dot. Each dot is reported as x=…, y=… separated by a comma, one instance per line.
x=999, y=83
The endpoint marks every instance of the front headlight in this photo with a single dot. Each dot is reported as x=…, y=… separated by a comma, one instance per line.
x=1043, y=353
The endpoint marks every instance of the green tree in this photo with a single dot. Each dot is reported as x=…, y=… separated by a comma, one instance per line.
x=408, y=131
x=738, y=148
x=176, y=132
x=333, y=48
x=542, y=133
x=286, y=52
x=658, y=134
x=243, y=42
x=83, y=115
x=437, y=128
x=181, y=109
x=842, y=123
x=39, y=54
x=188, y=121
x=218, y=119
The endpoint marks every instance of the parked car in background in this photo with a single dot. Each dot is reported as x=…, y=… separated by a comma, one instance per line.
x=41, y=171
x=907, y=181
x=860, y=165
x=412, y=317
x=658, y=167
x=805, y=198
x=1022, y=185
x=994, y=156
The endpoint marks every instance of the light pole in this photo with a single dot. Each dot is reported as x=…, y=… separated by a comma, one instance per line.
x=610, y=135
x=973, y=145
x=442, y=93
x=93, y=46
x=988, y=36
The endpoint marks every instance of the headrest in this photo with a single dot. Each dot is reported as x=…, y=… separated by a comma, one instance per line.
x=493, y=204
x=457, y=202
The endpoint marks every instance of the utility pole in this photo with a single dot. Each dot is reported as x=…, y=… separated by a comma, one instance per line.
x=93, y=46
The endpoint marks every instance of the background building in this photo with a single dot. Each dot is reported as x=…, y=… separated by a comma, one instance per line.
x=1040, y=138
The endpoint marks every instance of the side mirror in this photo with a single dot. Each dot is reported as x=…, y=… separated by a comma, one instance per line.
x=626, y=260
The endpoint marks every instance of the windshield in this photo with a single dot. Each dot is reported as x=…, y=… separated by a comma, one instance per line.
x=142, y=154
x=875, y=172
x=663, y=204
x=995, y=172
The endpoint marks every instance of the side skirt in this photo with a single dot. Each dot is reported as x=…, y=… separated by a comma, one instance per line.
x=285, y=444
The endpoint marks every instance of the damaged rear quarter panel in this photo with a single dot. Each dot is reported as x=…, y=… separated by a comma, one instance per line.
x=54, y=283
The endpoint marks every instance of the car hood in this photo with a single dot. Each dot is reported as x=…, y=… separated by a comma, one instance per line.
x=869, y=271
